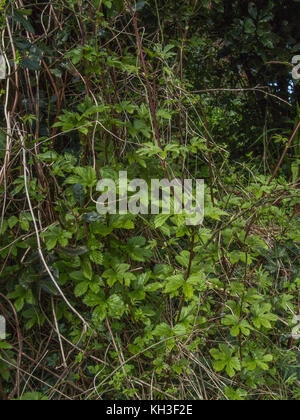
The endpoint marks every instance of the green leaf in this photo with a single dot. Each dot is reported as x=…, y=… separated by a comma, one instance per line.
x=252, y=9
x=174, y=283
x=91, y=299
x=153, y=287
x=117, y=274
x=215, y=213
x=33, y=396
x=237, y=256
x=238, y=325
x=116, y=306
x=48, y=286
x=295, y=170
x=49, y=156
x=136, y=249
x=160, y=220
x=51, y=243
x=81, y=289
x=262, y=316
x=18, y=16
x=219, y=366
x=33, y=60
x=224, y=359
x=12, y=222
x=249, y=26
x=24, y=223
x=163, y=113
x=179, y=329
x=233, y=365
x=19, y=304
x=93, y=217
x=86, y=268
x=99, y=313
x=73, y=252
x=5, y=346
x=163, y=330
x=188, y=291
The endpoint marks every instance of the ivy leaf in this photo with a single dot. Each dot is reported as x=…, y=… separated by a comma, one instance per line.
x=19, y=304
x=237, y=325
x=92, y=217
x=18, y=17
x=48, y=286
x=33, y=60
x=91, y=300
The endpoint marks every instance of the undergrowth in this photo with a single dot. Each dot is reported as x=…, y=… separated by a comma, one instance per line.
x=138, y=306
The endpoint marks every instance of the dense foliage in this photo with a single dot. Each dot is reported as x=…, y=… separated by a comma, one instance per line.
x=144, y=306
